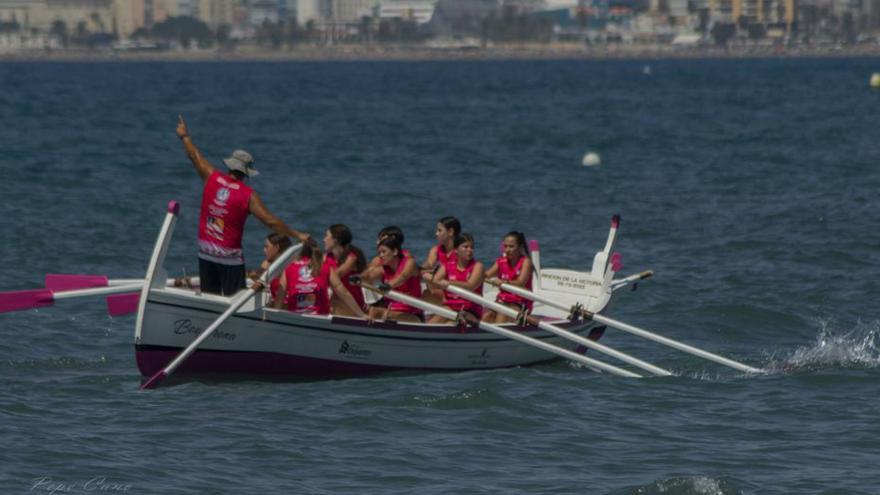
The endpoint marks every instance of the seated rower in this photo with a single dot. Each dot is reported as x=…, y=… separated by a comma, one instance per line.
x=273, y=247
x=462, y=271
x=399, y=271
x=305, y=282
x=391, y=230
x=345, y=259
x=514, y=267
x=447, y=229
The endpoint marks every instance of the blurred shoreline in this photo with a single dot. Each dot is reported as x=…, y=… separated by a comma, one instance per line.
x=409, y=52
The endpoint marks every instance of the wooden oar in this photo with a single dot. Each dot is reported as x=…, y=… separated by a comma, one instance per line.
x=236, y=303
x=63, y=281
x=117, y=304
x=452, y=315
x=38, y=298
x=622, y=282
x=124, y=304
x=500, y=308
x=631, y=329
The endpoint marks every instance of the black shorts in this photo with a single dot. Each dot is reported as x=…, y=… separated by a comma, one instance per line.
x=383, y=302
x=216, y=278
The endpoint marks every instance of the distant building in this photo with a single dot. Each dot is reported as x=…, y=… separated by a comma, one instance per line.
x=20, y=12
x=312, y=10
x=350, y=11
x=420, y=11
x=216, y=13
x=263, y=11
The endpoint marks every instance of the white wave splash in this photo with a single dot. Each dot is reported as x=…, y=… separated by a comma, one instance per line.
x=857, y=347
x=698, y=485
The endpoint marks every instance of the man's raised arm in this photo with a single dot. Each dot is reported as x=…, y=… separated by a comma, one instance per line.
x=203, y=167
x=259, y=210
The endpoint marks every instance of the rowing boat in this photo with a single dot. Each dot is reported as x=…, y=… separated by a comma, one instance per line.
x=260, y=340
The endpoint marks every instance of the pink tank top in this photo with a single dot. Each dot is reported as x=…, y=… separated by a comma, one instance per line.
x=307, y=293
x=411, y=287
x=356, y=292
x=453, y=301
x=273, y=287
x=221, y=221
x=443, y=257
x=506, y=273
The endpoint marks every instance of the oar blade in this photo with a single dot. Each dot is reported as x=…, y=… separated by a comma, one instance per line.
x=19, y=300
x=123, y=304
x=58, y=282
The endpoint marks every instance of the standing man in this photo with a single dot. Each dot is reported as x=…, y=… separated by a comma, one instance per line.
x=226, y=202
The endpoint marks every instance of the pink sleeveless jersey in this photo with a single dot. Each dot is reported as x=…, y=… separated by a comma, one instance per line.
x=411, y=287
x=443, y=257
x=273, y=287
x=307, y=293
x=507, y=272
x=453, y=301
x=221, y=221
x=356, y=292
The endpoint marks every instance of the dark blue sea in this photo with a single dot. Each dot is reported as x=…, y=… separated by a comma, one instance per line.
x=749, y=186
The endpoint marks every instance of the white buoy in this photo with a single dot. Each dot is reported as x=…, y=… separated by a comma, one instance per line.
x=646, y=70
x=875, y=80
x=591, y=159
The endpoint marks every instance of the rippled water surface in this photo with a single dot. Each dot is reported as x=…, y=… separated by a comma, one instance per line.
x=748, y=186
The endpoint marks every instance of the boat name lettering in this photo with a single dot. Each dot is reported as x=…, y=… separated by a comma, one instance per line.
x=481, y=358
x=568, y=281
x=354, y=350
x=187, y=326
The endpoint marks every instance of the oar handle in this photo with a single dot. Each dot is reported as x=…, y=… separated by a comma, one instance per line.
x=237, y=302
x=561, y=332
x=450, y=314
x=589, y=315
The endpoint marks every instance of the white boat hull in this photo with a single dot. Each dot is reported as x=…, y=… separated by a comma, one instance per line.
x=277, y=342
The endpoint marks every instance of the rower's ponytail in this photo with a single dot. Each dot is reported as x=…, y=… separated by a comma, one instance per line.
x=451, y=223
x=342, y=235
x=313, y=253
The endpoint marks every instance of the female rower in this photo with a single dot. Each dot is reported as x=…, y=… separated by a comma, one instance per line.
x=447, y=229
x=514, y=268
x=399, y=271
x=346, y=259
x=273, y=247
x=391, y=230
x=462, y=271
x=304, y=284
x=395, y=231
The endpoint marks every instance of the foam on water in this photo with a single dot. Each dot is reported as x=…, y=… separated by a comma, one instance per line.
x=694, y=485
x=855, y=348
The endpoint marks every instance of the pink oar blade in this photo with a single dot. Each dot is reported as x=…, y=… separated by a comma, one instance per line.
x=58, y=282
x=616, y=262
x=19, y=300
x=123, y=304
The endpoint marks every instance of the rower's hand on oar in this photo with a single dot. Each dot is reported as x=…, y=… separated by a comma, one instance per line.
x=182, y=131
x=494, y=281
x=258, y=286
x=383, y=287
x=303, y=236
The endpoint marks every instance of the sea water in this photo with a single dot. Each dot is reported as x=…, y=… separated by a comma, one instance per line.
x=749, y=186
